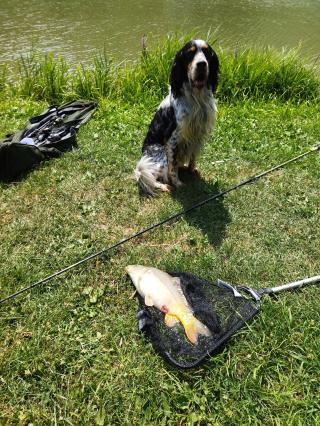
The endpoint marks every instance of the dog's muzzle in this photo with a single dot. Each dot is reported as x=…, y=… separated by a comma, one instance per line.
x=200, y=76
x=198, y=71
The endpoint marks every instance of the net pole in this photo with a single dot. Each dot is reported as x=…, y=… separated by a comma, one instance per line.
x=295, y=284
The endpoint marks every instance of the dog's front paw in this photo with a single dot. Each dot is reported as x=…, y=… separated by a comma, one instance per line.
x=167, y=188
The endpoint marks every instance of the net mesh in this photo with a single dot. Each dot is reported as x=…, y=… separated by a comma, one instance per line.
x=215, y=304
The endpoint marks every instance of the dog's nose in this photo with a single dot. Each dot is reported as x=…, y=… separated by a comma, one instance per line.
x=201, y=65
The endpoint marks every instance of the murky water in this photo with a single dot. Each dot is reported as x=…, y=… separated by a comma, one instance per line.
x=78, y=28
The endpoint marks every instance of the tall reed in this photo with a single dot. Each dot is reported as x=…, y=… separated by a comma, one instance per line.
x=244, y=73
x=43, y=77
x=3, y=78
x=95, y=80
x=266, y=73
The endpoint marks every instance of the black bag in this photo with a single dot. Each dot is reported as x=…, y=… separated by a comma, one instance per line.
x=46, y=136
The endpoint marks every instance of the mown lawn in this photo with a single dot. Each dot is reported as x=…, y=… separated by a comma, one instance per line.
x=71, y=352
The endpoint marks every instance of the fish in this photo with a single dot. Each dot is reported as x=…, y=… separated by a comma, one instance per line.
x=163, y=291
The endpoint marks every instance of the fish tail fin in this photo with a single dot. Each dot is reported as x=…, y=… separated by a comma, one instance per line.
x=194, y=328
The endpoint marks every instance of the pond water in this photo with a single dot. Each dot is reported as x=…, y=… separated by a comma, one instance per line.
x=79, y=28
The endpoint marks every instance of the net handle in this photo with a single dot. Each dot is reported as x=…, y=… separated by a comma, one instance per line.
x=289, y=286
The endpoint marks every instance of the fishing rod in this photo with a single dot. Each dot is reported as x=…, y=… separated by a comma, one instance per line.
x=162, y=222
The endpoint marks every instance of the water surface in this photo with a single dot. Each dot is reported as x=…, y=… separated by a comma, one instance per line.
x=79, y=28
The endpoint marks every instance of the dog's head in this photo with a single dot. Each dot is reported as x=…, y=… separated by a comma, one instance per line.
x=197, y=64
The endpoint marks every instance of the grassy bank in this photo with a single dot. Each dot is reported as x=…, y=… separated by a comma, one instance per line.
x=70, y=352
x=245, y=73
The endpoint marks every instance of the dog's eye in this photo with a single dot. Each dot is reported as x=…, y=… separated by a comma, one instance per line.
x=207, y=52
x=192, y=49
x=190, y=55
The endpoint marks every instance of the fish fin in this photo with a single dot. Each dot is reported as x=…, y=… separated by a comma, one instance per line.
x=191, y=333
x=203, y=329
x=194, y=328
x=176, y=281
x=170, y=320
x=177, y=284
x=148, y=300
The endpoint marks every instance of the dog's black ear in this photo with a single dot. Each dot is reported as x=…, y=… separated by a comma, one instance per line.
x=178, y=74
x=213, y=71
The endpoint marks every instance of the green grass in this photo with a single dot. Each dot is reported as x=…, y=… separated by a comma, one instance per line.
x=260, y=74
x=70, y=353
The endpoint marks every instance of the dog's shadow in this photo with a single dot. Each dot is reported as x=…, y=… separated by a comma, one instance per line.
x=213, y=217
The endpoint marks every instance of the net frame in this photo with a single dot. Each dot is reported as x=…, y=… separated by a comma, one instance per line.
x=218, y=305
x=210, y=303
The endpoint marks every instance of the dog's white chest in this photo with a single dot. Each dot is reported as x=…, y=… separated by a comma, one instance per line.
x=195, y=117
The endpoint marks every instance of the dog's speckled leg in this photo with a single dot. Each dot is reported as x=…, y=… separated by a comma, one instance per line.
x=171, y=151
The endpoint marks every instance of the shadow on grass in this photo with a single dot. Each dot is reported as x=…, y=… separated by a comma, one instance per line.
x=212, y=218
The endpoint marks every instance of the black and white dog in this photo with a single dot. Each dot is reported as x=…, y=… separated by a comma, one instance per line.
x=182, y=120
